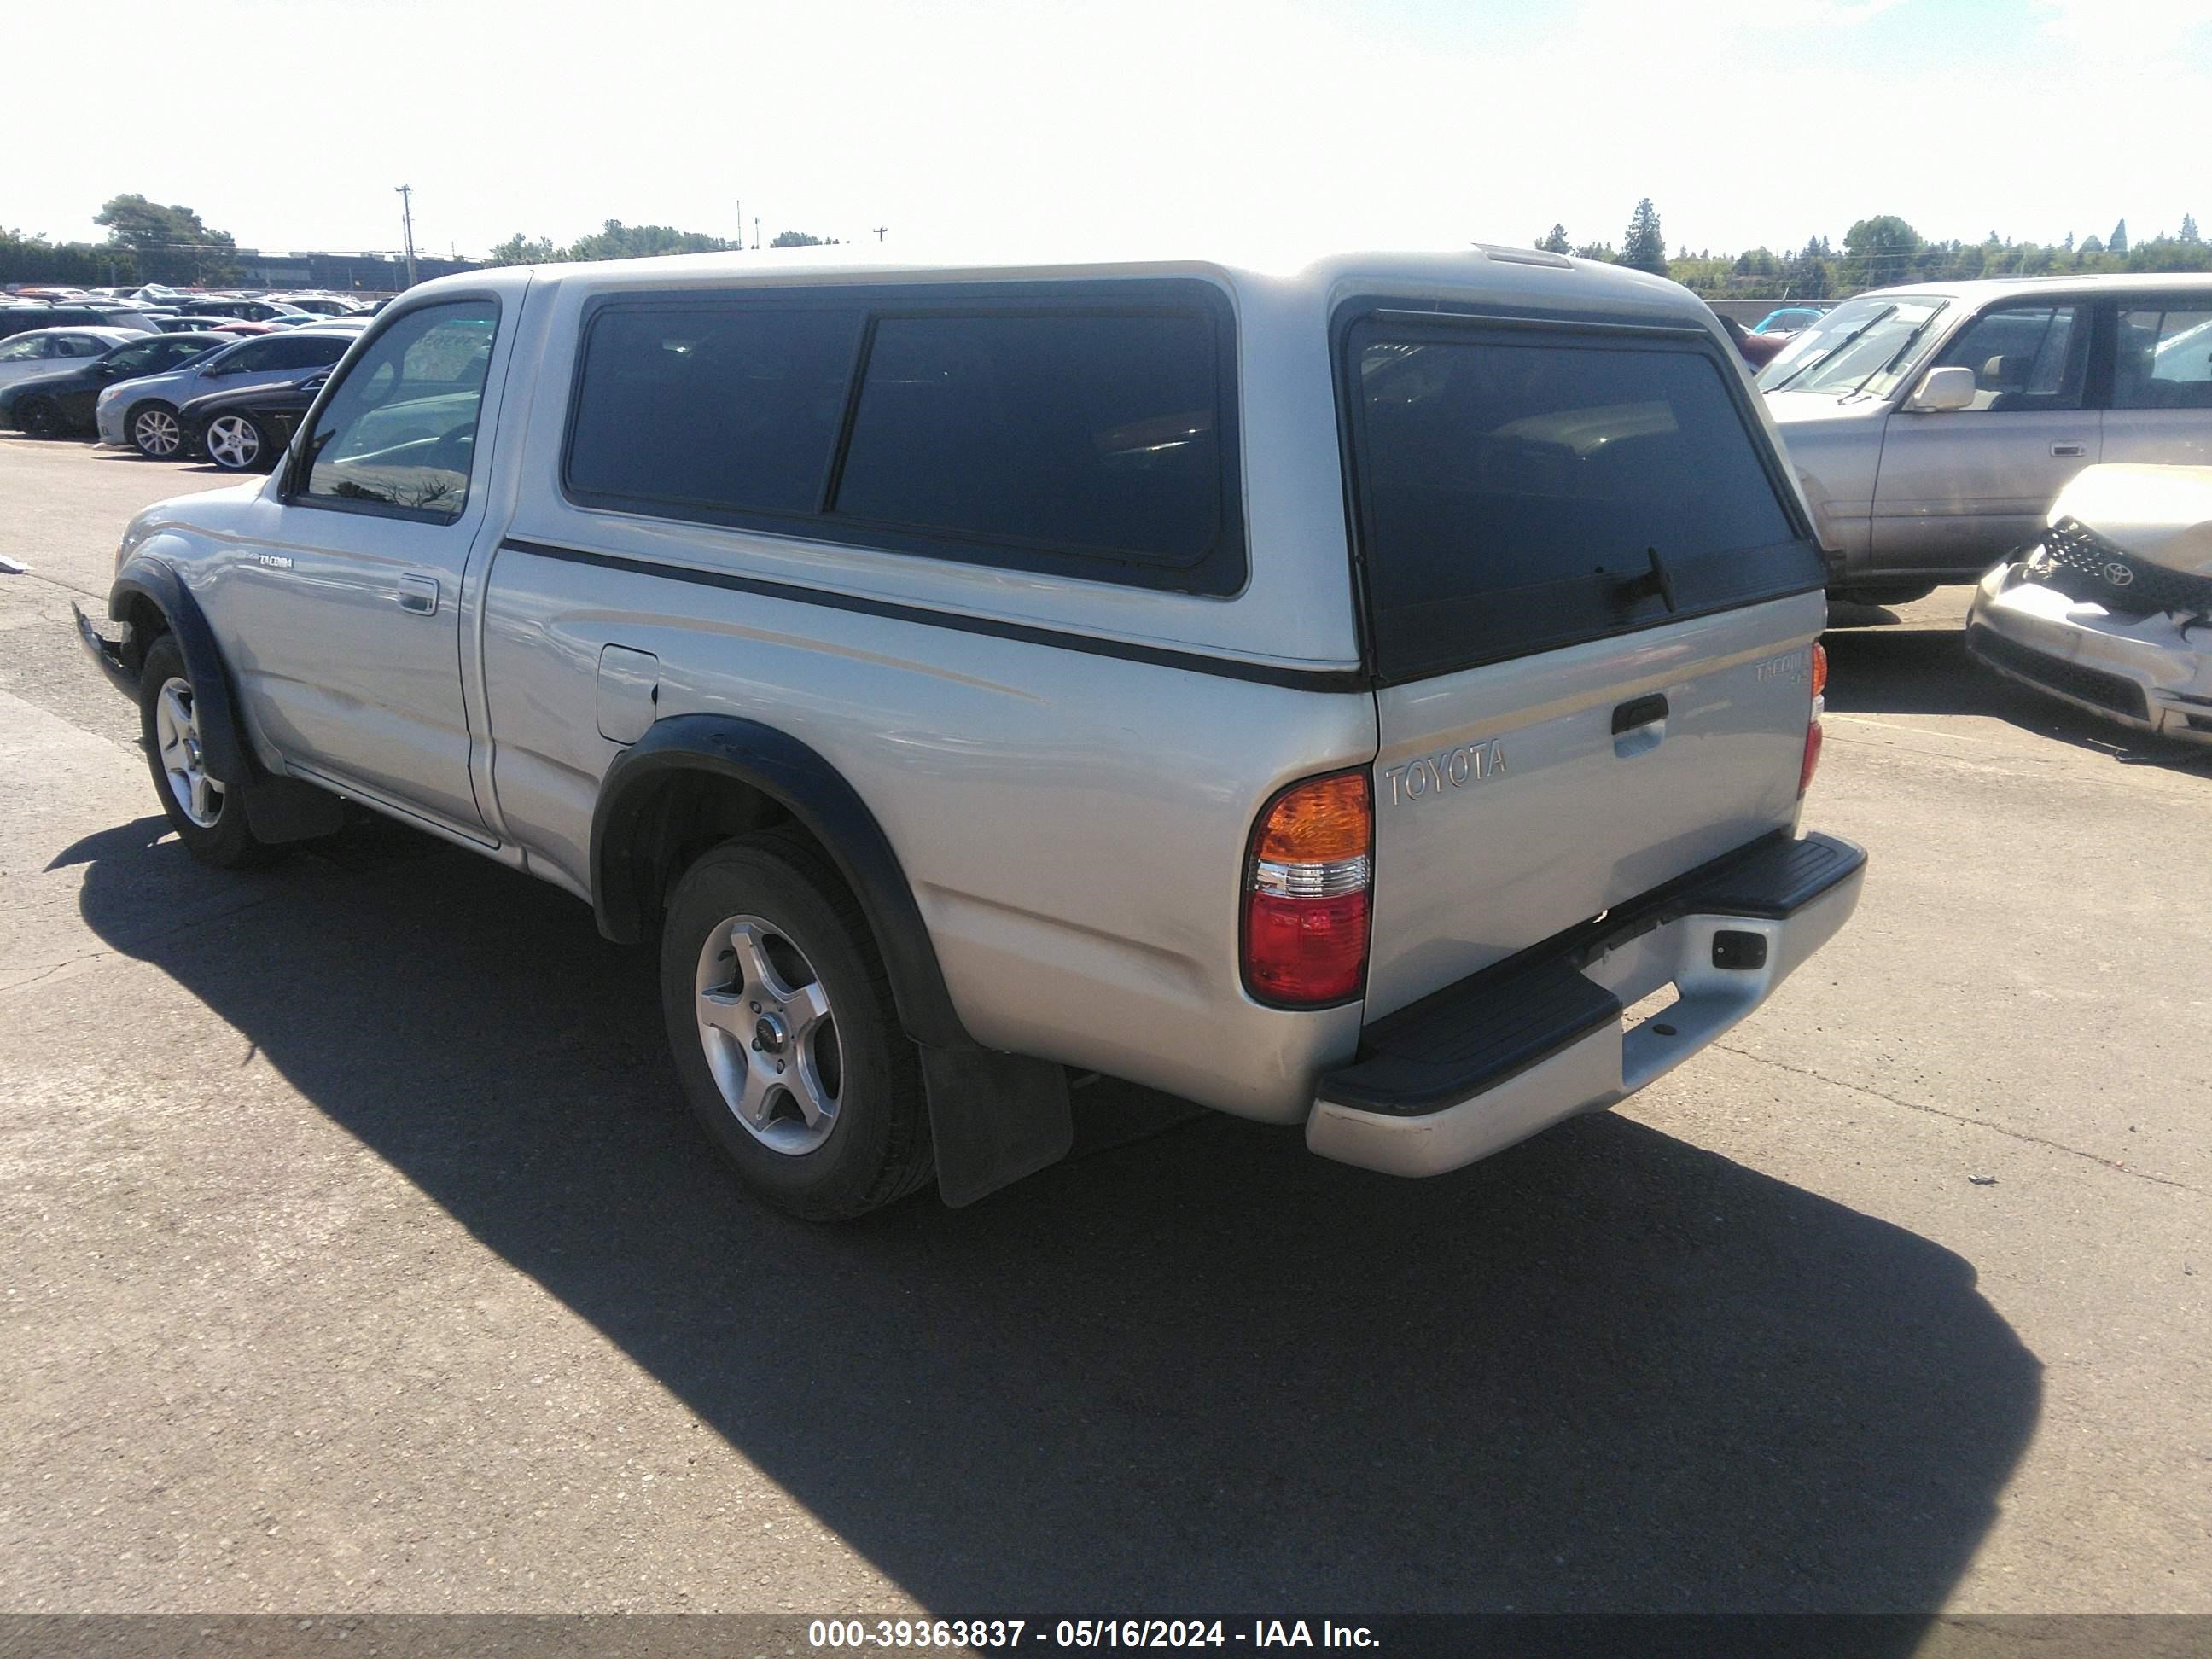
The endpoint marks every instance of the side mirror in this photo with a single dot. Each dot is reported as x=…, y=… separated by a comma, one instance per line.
x=1944, y=389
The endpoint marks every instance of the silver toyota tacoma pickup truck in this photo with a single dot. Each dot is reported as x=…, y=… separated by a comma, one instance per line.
x=1332, y=694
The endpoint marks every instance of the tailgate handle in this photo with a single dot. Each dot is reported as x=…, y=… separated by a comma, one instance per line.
x=1642, y=711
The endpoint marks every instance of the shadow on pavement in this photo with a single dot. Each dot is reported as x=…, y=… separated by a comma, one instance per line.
x=1606, y=1371
x=1926, y=671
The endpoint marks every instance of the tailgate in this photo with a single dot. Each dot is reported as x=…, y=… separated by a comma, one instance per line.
x=1508, y=807
x=1591, y=596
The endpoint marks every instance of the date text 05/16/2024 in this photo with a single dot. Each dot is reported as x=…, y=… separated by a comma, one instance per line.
x=825, y=1634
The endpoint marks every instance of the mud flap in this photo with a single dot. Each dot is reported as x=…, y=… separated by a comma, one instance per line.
x=994, y=1118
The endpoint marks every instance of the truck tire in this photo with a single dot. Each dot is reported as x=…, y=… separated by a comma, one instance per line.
x=786, y=1041
x=208, y=817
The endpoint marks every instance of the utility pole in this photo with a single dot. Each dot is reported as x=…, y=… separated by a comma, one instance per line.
x=407, y=217
x=741, y=223
x=756, y=232
x=880, y=229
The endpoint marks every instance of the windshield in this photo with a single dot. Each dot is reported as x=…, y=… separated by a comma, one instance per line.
x=1864, y=346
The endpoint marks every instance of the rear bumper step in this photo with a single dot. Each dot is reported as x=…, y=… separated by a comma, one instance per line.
x=1490, y=1060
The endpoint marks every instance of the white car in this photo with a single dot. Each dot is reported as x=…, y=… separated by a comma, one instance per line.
x=42, y=350
x=141, y=413
x=2111, y=610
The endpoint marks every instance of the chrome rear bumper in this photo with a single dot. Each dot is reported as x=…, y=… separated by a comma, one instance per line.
x=1490, y=1060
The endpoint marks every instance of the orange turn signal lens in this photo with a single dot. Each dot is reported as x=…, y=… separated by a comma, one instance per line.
x=1819, y=669
x=1306, y=886
x=1318, y=822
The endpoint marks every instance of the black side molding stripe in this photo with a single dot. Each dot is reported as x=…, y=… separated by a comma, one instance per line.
x=1196, y=662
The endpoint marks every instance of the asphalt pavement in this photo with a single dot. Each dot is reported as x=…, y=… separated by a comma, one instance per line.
x=358, y=1258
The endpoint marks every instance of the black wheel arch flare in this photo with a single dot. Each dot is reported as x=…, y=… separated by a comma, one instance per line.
x=797, y=778
x=993, y=1117
x=278, y=809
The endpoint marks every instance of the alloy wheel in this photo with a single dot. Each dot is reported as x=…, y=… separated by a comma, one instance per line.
x=769, y=1035
x=177, y=732
x=155, y=432
x=233, y=442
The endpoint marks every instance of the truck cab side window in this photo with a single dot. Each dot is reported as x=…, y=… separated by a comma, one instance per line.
x=399, y=433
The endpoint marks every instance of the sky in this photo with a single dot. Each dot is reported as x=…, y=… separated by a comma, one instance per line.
x=1404, y=123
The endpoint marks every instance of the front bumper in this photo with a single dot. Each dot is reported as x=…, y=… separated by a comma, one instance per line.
x=2151, y=674
x=107, y=420
x=107, y=655
x=1539, y=1038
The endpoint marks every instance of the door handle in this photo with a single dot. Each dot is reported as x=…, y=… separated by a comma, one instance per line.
x=419, y=594
x=1642, y=711
x=2064, y=451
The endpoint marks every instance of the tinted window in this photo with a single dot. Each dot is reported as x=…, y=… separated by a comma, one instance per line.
x=400, y=432
x=309, y=352
x=2023, y=357
x=252, y=358
x=734, y=408
x=1091, y=433
x=2163, y=358
x=147, y=359
x=175, y=353
x=1515, y=487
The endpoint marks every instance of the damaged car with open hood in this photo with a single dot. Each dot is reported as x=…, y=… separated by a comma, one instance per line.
x=2110, y=609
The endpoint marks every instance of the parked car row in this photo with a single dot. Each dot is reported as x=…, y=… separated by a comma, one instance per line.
x=137, y=390
x=122, y=365
x=157, y=310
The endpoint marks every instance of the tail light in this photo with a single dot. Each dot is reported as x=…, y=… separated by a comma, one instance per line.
x=1306, y=883
x=1813, y=725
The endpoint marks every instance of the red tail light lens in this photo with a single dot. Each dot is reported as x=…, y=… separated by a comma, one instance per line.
x=1812, y=756
x=1306, y=883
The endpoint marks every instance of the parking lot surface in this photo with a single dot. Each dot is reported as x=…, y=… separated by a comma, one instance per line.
x=358, y=1257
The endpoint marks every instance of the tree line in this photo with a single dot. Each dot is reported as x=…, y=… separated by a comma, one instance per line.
x=616, y=240
x=149, y=242
x=1880, y=252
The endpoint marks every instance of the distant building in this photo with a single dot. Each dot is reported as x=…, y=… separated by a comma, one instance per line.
x=341, y=272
